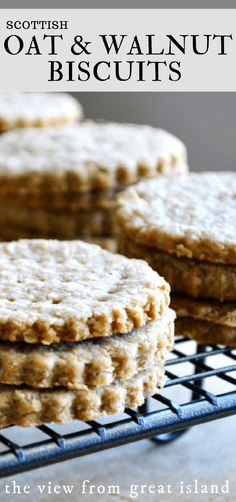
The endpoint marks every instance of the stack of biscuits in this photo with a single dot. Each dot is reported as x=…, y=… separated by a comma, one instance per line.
x=83, y=332
x=185, y=228
x=61, y=182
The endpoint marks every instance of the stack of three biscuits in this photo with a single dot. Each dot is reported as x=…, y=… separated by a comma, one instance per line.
x=185, y=228
x=83, y=332
x=61, y=182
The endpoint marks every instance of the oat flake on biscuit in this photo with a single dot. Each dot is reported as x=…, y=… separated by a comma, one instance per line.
x=19, y=109
x=54, y=291
x=86, y=156
x=192, y=216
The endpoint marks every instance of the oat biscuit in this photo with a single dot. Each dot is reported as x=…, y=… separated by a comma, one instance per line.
x=26, y=407
x=19, y=109
x=57, y=224
x=193, y=277
x=205, y=310
x=67, y=201
x=88, y=364
x=85, y=157
x=13, y=233
x=205, y=332
x=57, y=291
x=192, y=216
x=206, y=321
x=16, y=232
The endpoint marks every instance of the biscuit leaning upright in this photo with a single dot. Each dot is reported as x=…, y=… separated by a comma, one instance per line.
x=185, y=228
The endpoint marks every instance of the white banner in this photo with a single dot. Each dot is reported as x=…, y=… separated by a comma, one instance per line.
x=118, y=50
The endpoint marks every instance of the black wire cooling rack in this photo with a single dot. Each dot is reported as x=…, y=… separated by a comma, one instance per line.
x=201, y=386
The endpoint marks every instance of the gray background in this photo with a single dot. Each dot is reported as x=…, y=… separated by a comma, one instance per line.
x=206, y=122
x=145, y=4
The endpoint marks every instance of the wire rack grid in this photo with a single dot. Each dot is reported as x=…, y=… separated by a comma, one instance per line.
x=201, y=386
